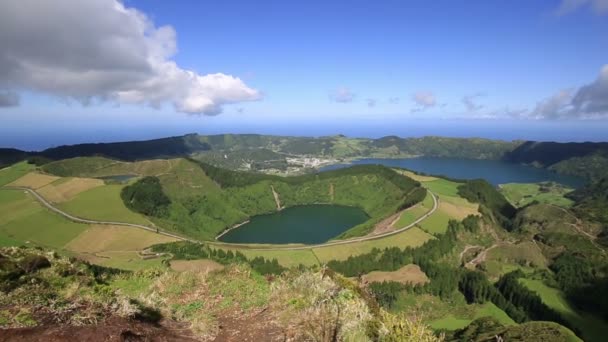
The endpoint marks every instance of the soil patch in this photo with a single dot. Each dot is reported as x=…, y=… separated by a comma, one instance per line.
x=112, y=329
x=411, y=274
x=196, y=265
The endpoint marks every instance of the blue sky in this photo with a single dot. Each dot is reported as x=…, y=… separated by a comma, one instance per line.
x=500, y=69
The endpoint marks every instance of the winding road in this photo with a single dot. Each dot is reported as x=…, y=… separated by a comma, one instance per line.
x=77, y=219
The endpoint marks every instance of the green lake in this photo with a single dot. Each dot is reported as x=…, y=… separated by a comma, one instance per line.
x=308, y=224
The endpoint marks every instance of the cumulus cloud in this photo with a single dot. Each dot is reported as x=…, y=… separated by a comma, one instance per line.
x=470, y=104
x=569, y=6
x=8, y=99
x=342, y=95
x=592, y=99
x=371, y=102
x=424, y=100
x=102, y=50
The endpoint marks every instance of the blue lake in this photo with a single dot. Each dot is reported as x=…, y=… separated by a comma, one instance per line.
x=308, y=224
x=494, y=171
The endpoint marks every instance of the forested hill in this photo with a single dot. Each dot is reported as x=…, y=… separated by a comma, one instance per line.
x=260, y=152
x=588, y=159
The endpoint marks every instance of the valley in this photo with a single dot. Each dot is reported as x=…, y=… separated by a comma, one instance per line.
x=413, y=232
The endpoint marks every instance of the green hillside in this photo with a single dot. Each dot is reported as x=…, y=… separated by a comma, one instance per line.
x=200, y=200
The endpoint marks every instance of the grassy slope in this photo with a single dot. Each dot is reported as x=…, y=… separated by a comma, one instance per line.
x=102, y=203
x=23, y=219
x=488, y=309
x=12, y=173
x=200, y=208
x=593, y=328
x=521, y=194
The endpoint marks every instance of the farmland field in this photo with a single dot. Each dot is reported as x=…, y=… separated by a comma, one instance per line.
x=593, y=328
x=64, y=189
x=102, y=203
x=521, y=194
x=34, y=180
x=22, y=219
x=412, y=237
x=12, y=173
x=408, y=274
x=102, y=238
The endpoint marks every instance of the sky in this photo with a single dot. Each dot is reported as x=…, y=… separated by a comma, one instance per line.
x=106, y=70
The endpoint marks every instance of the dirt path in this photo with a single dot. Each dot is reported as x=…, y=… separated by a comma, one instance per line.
x=481, y=257
x=253, y=328
x=277, y=200
x=73, y=218
x=331, y=191
x=466, y=249
x=577, y=227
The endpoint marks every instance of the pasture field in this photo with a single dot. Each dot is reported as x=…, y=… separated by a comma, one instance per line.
x=419, y=178
x=14, y=172
x=102, y=203
x=287, y=258
x=64, y=189
x=525, y=253
x=592, y=328
x=103, y=238
x=437, y=223
x=488, y=309
x=33, y=180
x=126, y=260
x=412, y=237
x=22, y=219
x=204, y=265
x=522, y=194
x=442, y=187
x=410, y=215
x=100, y=167
x=408, y=274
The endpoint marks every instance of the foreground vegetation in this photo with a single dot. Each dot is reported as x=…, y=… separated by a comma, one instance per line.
x=481, y=266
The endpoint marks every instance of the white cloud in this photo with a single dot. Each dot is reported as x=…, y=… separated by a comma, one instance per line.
x=393, y=100
x=342, y=95
x=371, y=102
x=592, y=99
x=470, y=104
x=8, y=99
x=569, y=6
x=424, y=100
x=101, y=50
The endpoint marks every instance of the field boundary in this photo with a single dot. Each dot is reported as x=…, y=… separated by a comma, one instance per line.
x=77, y=219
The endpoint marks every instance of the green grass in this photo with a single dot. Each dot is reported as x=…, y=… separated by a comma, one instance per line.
x=522, y=194
x=454, y=322
x=409, y=216
x=23, y=219
x=443, y=187
x=102, y=203
x=14, y=172
x=592, y=328
x=450, y=322
x=437, y=223
x=132, y=285
x=412, y=237
x=130, y=261
x=285, y=258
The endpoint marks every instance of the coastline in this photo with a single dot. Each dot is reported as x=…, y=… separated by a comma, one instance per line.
x=231, y=228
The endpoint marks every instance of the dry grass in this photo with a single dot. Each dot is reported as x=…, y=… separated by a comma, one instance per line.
x=196, y=265
x=34, y=180
x=58, y=192
x=418, y=178
x=412, y=237
x=408, y=274
x=101, y=238
x=458, y=211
